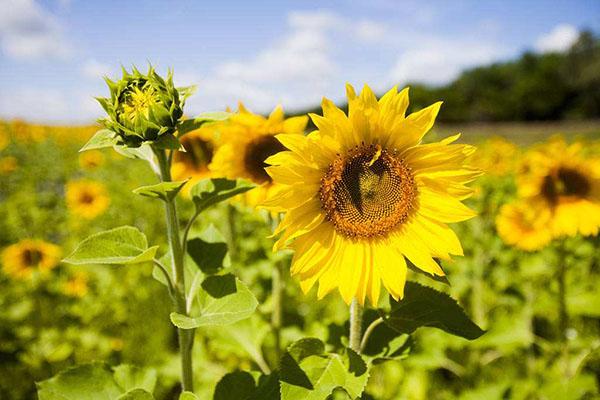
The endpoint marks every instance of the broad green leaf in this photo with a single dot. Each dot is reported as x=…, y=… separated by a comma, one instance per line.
x=85, y=382
x=305, y=375
x=424, y=306
x=130, y=377
x=209, y=250
x=194, y=123
x=166, y=191
x=144, y=152
x=209, y=192
x=96, y=381
x=188, y=396
x=241, y=385
x=223, y=300
x=137, y=394
x=123, y=245
x=169, y=142
x=101, y=139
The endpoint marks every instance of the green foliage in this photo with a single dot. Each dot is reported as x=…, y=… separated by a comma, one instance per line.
x=96, y=381
x=209, y=251
x=165, y=191
x=124, y=245
x=222, y=300
x=192, y=124
x=101, y=139
x=424, y=306
x=209, y=192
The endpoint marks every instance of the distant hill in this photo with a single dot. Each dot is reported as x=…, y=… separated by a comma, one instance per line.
x=535, y=87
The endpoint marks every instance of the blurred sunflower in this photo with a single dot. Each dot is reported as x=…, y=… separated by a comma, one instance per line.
x=8, y=165
x=21, y=259
x=558, y=178
x=497, y=156
x=199, y=149
x=76, y=285
x=524, y=225
x=246, y=141
x=87, y=199
x=91, y=159
x=4, y=138
x=362, y=195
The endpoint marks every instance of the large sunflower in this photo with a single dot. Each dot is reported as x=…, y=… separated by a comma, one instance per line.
x=246, y=141
x=87, y=199
x=21, y=259
x=566, y=184
x=362, y=195
x=199, y=150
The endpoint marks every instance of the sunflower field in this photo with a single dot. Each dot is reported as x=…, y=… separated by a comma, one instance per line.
x=235, y=256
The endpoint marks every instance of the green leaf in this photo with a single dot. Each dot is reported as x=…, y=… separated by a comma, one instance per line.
x=209, y=192
x=124, y=245
x=223, y=300
x=143, y=152
x=194, y=123
x=136, y=394
x=209, y=250
x=96, y=381
x=168, y=141
x=424, y=306
x=101, y=139
x=188, y=396
x=166, y=191
x=85, y=382
x=307, y=374
x=241, y=385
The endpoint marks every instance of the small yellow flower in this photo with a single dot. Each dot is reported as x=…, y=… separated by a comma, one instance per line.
x=91, y=159
x=524, y=225
x=21, y=259
x=362, y=195
x=199, y=150
x=77, y=285
x=557, y=177
x=8, y=165
x=87, y=199
x=497, y=156
x=246, y=141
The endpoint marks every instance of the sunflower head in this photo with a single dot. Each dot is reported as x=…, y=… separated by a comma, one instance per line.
x=76, y=285
x=362, y=195
x=87, y=199
x=200, y=147
x=559, y=178
x=524, y=225
x=497, y=156
x=91, y=159
x=142, y=107
x=246, y=140
x=20, y=260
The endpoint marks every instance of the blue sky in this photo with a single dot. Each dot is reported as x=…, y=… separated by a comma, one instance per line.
x=53, y=53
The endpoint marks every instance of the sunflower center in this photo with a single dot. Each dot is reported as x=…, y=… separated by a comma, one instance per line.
x=257, y=152
x=198, y=153
x=31, y=257
x=565, y=182
x=86, y=198
x=367, y=192
x=137, y=102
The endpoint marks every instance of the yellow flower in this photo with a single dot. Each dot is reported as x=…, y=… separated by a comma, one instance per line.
x=4, y=138
x=497, y=156
x=91, y=159
x=362, y=195
x=524, y=225
x=199, y=149
x=87, y=199
x=246, y=141
x=77, y=285
x=21, y=259
x=559, y=179
x=8, y=165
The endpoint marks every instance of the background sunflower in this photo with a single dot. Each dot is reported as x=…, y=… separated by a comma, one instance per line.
x=86, y=198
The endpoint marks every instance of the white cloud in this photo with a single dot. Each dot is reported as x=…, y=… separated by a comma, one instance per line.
x=438, y=62
x=559, y=39
x=31, y=103
x=94, y=69
x=27, y=31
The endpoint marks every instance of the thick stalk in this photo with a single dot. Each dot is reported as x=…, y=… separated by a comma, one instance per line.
x=185, y=337
x=356, y=311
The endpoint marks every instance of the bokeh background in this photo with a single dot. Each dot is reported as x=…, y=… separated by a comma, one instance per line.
x=513, y=75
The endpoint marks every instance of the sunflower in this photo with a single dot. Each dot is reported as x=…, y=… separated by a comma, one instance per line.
x=87, y=199
x=21, y=259
x=76, y=285
x=497, y=156
x=199, y=150
x=8, y=165
x=557, y=177
x=91, y=159
x=524, y=225
x=362, y=195
x=246, y=141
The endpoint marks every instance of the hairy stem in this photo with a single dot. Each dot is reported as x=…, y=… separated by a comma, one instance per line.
x=368, y=331
x=356, y=311
x=185, y=337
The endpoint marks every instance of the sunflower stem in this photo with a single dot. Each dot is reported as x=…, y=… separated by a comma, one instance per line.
x=185, y=337
x=356, y=311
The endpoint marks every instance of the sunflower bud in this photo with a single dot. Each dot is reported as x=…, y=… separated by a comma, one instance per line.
x=143, y=108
